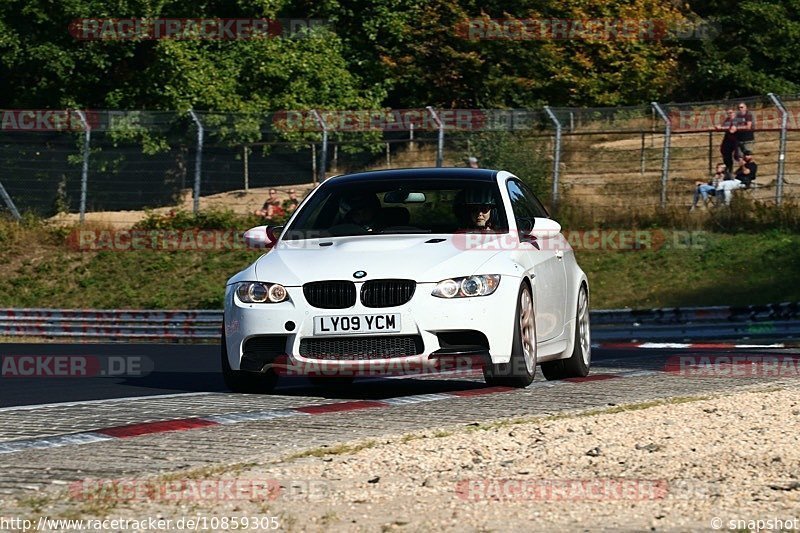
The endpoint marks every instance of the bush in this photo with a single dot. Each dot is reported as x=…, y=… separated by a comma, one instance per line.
x=31, y=226
x=206, y=220
x=748, y=215
x=744, y=215
x=523, y=157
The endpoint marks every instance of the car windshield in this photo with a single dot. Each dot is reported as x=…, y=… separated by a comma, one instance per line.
x=385, y=207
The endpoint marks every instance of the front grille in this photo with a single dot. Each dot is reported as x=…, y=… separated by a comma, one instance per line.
x=330, y=294
x=259, y=351
x=362, y=348
x=387, y=292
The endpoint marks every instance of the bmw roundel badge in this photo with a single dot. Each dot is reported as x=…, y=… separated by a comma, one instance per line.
x=358, y=274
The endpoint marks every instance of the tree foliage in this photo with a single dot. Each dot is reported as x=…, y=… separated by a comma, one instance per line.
x=42, y=65
x=393, y=53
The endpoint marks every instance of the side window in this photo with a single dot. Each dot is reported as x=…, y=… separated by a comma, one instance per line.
x=524, y=209
x=538, y=209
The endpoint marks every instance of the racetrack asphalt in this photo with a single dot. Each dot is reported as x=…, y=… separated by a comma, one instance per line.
x=109, y=371
x=179, y=415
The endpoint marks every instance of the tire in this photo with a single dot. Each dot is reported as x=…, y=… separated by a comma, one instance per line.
x=521, y=368
x=245, y=382
x=577, y=366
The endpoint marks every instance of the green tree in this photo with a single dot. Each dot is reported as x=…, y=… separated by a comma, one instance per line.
x=42, y=65
x=753, y=50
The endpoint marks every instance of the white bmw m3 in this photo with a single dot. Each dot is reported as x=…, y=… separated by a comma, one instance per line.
x=405, y=269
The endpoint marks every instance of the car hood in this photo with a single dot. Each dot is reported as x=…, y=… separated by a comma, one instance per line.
x=424, y=258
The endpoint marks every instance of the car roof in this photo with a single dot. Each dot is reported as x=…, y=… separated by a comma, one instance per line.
x=437, y=173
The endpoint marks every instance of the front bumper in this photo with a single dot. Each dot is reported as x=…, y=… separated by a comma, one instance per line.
x=424, y=315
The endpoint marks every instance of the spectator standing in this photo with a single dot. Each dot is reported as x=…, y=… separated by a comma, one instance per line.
x=472, y=162
x=744, y=128
x=730, y=145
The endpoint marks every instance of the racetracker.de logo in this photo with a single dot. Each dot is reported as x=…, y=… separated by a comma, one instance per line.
x=764, y=119
x=47, y=120
x=215, y=29
x=734, y=366
x=126, y=240
x=600, y=29
x=382, y=120
x=175, y=490
x=74, y=366
x=584, y=240
x=599, y=489
x=353, y=366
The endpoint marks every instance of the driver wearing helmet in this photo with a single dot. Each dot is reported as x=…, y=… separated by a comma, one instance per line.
x=362, y=210
x=475, y=207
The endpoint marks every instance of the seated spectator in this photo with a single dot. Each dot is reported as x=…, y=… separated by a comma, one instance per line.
x=472, y=162
x=709, y=188
x=746, y=173
x=272, y=208
x=725, y=189
x=292, y=202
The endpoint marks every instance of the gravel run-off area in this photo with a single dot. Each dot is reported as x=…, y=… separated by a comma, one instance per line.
x=687, y=464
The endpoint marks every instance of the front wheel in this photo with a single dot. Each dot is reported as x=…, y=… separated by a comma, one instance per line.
x=521, y=368
x=577, y=366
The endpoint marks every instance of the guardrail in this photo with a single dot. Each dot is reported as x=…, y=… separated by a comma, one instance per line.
x=112, y=324
x=684, y=323
x=780, y=320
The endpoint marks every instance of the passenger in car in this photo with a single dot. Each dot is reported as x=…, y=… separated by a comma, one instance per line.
x=362, y=210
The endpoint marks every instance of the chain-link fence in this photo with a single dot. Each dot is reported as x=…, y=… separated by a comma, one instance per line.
x=111, y=166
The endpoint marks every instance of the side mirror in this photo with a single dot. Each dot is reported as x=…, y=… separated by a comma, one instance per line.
x=545, y=228
x=262, y=236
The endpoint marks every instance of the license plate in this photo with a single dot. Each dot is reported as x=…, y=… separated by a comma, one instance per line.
x=349, y=324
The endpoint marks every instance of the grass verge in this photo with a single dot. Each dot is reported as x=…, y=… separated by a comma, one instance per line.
x=38, y=268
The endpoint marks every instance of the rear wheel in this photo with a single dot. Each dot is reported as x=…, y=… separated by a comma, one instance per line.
x=521, y=368
x=577, y=366
x=245, y=382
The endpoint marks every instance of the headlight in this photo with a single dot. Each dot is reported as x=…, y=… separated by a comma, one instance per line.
x=253, y=292
x=466, y=287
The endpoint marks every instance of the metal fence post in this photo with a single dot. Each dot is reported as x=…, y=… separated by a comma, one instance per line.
x=323, y=153
x=87, y=141
x=556, y=155
x=246, y=156
x=198, y=160
x=314, y=164
x=665, y=156
x=440, y=144
x=781, y=147
x=642, y=160
x=9, y=202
